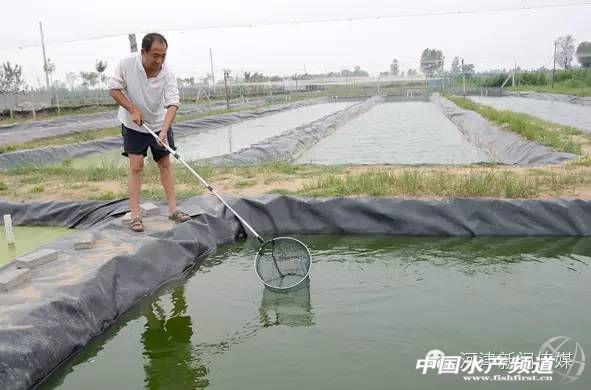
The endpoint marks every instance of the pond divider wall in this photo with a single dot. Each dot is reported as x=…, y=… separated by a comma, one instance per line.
x=504, y=146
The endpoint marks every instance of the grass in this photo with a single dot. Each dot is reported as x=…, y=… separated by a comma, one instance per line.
x=245, y=183
x=424, y=182
x=64, y=171
x=555, y=136
x=558, y=88
x=109, y=182
x=157, y=193
x=583, y=161
x=62, y=139
x=108, y=195
x=282, y=191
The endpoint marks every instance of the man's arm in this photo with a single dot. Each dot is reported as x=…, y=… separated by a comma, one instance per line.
x=123, y=101
x=172, y=102
x=169, y=118
x=117, y=83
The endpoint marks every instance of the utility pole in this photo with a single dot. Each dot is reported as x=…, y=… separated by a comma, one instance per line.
x=554, y=68
x=379, y=78
x=514, y=72
x=45, y=68
x=443, y=76
x=226, y=76
x=132, y=43
x=463, y=78
x=211, y=63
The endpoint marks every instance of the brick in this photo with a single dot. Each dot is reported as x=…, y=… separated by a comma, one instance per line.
x=149, y=209
x=11, y=277
x=36, y=258
x=85, y=241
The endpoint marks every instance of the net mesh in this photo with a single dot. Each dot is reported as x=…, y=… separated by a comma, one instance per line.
x=283, y=263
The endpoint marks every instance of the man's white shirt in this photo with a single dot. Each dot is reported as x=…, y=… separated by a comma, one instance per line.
x=151, y=96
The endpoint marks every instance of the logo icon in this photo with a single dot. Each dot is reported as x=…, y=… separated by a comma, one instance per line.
x=570, y=357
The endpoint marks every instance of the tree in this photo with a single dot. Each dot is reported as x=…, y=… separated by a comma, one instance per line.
x=455, y=66
x=565, y=48
x=11, y=78
x=186, y=82
x=89, y=79
x=432, y=62
x=358, y=72
x=255, y=77
x=468, y=70
x=394, y=70
x=100, y=67
x=71, y=78
x=346, y=73
x=411, y=73
x=584, y=54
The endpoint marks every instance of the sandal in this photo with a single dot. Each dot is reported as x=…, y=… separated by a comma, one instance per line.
x=136, y=225
x=180, y=216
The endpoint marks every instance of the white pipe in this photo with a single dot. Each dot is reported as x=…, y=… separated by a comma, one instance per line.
x=9, y=234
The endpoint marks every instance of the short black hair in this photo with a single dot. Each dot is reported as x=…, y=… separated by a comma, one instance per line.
x=149, y=39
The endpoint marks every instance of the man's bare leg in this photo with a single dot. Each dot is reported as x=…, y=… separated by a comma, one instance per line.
x=167, y=180
x=134, y=183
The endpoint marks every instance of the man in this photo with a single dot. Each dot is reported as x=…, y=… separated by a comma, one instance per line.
x=146, y=92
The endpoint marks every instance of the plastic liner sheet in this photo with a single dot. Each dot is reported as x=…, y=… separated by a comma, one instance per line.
x=65, y=303
x=56, y=154
x=64, y=214
x=555, y=97
x=505, y=147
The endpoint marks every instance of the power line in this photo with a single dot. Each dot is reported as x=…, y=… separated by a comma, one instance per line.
x=334, y=20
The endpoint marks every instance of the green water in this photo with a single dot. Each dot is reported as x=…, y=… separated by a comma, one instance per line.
x=374, y=306
x=27, y=239
x=396, y=133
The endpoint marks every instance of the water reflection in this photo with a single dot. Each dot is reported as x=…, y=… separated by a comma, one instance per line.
x=464, y=254
x=168, y=359
x=291, y=308
x=171, y=360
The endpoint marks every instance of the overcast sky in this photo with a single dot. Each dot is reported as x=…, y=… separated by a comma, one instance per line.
x=79, y=32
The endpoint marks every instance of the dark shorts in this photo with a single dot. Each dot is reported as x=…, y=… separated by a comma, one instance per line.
x=136, y=142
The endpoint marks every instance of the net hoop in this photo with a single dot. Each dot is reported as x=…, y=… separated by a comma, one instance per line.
x=282, y=289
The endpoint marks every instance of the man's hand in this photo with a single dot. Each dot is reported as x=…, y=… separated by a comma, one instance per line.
x=136, y=116
x=163, y=137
